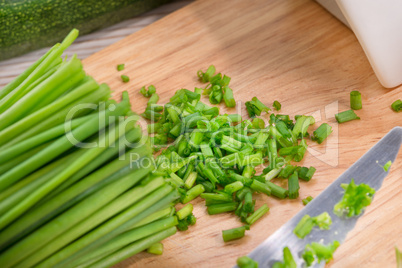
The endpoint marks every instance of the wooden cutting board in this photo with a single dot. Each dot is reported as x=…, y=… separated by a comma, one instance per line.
x=291, y=51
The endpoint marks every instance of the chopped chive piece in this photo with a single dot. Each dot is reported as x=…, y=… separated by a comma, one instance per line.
x=346, y=116
x=246, y=262
x=153, y=100
x=321, y=133
x=216, y=198
x=397, y=105
x=233, y=234
x=148, y=93
x=120, y=67
x=323, y=221
x=319, y=251
x=260, y=187
x=248, y=202
x=277, y=105
x=205, y=77
x=306, y=174
x=156, y=249
x=272, y=174
x=228, y=97
x=304, y=226
x=398, y=255
x=193, y=193
x=185, y=211
x=301, y=126
x=233, y=187
x=387, y=166
x=277, y=191
x=190, y=180
x=176, y=179
x=307, y=200
x=288, y=261
x=354, y=200
x=355, y=100
x=221, y=208
x=256, y=107
x=125, y=78
x=293, y=186
x=257, y=214
x=287, y=171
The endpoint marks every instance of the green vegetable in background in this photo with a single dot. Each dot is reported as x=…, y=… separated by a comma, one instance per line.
x=27, y=25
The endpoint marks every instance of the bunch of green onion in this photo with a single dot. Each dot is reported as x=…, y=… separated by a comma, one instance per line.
x=75, y=172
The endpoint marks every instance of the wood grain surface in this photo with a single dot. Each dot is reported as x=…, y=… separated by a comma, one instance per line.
x=291, y=51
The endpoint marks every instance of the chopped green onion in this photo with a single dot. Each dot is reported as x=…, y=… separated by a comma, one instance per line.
x=387, y=166
x=321, y=133
x=125, y=78
x=257, y=214
x=354, y=200
x=260, y=187
x=246, y=262
x=193, y=193
x=355, y=100
x=287, y=171
x=319, y=251
x=216, y=198
x=190, y=180
x=301, y=126
x=277, y=191
x=221, y=208
x=255, y=107
x=288, y=261
x=323, y=221
x=397, y=105
x=346, y=116
x=233, y=187
x=398, y=255
x=120, y=67
x=307, y=200
x=233, y=234
x=306, y=173
x=185, y=211
x=205, y=77
x=156, y=249
x=272, y=174
x=228, y=97
x=304, y=226
x=293, y=186
x=277, y=105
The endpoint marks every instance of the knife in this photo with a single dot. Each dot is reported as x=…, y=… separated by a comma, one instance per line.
x=368, y=169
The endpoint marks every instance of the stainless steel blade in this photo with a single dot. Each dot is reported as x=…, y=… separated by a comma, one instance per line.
x=368, y=169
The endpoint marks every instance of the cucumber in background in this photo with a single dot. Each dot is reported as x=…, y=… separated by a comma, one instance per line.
x=26, y=25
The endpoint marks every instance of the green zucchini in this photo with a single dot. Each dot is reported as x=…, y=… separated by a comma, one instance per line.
x=26, y=25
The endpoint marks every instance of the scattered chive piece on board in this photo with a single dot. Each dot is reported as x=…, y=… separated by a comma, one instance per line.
x=387, y=165
x=277, y=105
x=120, y=67
x=125, y=78
x=346, y=116
x=397, y=105
x=355, y=100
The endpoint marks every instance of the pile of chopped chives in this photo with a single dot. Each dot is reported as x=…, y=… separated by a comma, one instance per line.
x=215, y=156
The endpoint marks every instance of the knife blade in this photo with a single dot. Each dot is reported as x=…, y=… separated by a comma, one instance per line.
x=368, y=169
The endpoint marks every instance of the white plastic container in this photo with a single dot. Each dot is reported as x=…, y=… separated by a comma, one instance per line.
x=377, y=25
